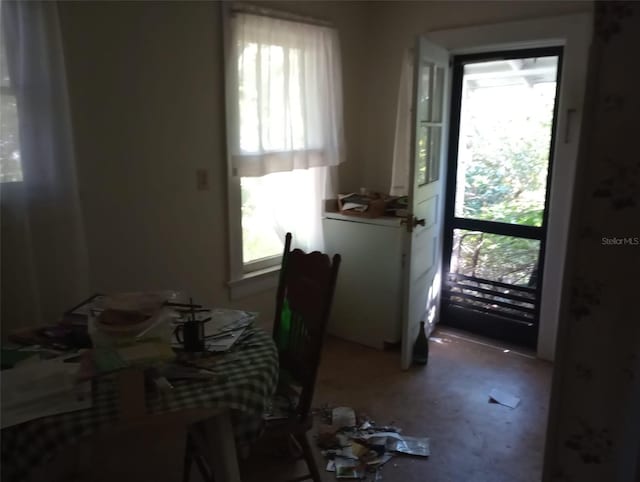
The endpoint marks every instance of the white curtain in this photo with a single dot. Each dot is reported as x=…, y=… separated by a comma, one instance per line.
x=284, y=86
x=58, y=256
x=402, y=143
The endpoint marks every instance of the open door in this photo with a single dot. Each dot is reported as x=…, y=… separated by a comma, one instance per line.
x=423, y=242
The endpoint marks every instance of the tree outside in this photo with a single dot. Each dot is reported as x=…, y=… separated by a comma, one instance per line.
x=504, y=144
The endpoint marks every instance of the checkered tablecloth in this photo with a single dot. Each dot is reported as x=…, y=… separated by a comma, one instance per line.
x=247, y=381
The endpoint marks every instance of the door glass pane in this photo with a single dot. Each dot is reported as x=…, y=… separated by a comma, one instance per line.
x=422, y=149
x=434, y=153
x=438, y=94
x=505, y=136
x=424, y=91
x=494, y=257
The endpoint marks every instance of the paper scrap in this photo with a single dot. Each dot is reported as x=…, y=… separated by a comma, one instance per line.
x=410, y=445
x=347, y=469
x=331, y=466
x=343, y=417
x=503, y=398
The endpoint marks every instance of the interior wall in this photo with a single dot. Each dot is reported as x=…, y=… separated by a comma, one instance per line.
x=393, y=28
x=147, y=103
x=594, y=418
x=16, y=272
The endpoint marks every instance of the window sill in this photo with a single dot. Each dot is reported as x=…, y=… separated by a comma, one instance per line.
x=254, y=282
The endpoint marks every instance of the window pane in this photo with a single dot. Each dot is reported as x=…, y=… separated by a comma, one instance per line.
x=270, y=101
x=275, y=204
x=10, y=166
x=505, y=134
x=505, y=259
x=259, y=238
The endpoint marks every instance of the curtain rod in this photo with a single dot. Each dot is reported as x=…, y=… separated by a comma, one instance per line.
x=238, y=7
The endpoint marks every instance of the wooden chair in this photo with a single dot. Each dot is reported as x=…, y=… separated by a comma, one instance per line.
x=303, y=302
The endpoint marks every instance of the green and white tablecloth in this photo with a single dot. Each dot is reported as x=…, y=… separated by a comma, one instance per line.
x=248, y=379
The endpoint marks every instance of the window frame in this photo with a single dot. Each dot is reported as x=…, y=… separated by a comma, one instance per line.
x=245, y=279
x=261, y=274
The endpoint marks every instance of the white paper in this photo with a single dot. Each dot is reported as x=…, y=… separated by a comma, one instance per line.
x=380, y=434
x=503, y=398
x=36, y=380
x=223, y=320
x=41, y=389
x=223, y=343
x=343, y=417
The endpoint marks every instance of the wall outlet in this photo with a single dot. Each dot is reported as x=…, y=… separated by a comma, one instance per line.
x=202, y=180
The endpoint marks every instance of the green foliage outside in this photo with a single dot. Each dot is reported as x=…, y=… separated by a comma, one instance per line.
x=504, y=180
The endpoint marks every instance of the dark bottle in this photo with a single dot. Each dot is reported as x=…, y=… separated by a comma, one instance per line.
x=421, y=347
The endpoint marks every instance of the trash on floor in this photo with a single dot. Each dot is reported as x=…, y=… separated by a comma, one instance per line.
x=356, y=448
x=343, y=417
x=503, y=398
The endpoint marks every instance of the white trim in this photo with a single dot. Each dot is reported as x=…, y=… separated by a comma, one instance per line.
x=262, y=264
x=254, y=282
x=573, y=32
x=234, y=192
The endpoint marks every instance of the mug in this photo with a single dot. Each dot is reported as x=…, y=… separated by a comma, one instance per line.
x=192, y=332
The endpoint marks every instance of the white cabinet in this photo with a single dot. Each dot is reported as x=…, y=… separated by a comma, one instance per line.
x=367, y=305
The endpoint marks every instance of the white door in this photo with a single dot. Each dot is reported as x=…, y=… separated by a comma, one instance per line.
x=423, y=243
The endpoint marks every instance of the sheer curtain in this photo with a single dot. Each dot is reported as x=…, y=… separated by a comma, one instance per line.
x=285, y=125
x=402, y=143
x=55, y=234
x=284, y=87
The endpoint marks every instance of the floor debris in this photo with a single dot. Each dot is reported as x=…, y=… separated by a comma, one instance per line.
x=503, y=398
x=356, y=448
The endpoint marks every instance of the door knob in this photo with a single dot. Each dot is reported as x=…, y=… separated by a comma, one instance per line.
x=411, y=221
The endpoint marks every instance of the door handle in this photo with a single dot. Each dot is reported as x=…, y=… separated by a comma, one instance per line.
x=411, y=221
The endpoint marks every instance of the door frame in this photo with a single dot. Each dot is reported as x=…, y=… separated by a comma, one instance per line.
x=573, y=32
x=519, y=334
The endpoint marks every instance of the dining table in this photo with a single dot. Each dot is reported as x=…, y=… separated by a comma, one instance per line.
x=229, y=406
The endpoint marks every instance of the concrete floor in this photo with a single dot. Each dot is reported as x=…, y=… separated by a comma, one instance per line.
x=471, y=440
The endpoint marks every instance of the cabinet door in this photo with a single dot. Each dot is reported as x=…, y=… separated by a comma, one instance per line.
x=367, y=302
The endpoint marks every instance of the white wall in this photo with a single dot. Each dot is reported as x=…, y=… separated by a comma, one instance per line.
x=147, y=102
x=146, y=92
x=393, y=28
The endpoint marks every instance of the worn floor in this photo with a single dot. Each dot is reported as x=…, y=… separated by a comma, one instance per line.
x=471, y=440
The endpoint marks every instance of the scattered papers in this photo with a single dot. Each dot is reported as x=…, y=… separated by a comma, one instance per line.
x=348, y=469
x=410, y=446
x=343, y=417
x=503, y=398
x=355, y=446
x=225, y=321
x=41, y=389
x=222, y=327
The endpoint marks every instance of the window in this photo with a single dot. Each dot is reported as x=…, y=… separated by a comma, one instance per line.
x=284, y=123
x=10, y=166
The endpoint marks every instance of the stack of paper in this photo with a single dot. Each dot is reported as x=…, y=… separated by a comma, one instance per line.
x=42, y=388
x=223, y=327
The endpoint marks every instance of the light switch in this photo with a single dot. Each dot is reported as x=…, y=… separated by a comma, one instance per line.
x=202, y=180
